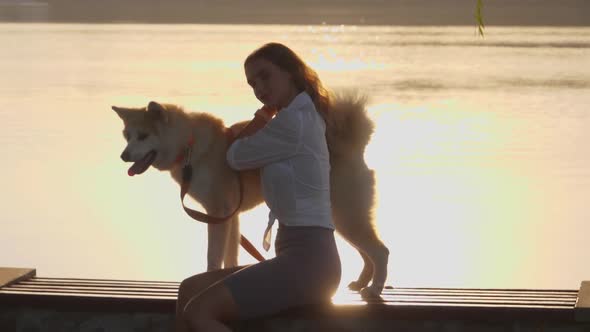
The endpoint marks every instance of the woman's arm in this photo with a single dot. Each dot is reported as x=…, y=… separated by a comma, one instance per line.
x=261, y=118
x=277, y=140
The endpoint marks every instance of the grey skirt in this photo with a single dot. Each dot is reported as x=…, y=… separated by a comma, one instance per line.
x=306, y=270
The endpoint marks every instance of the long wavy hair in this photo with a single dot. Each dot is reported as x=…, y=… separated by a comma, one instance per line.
x=305, y=78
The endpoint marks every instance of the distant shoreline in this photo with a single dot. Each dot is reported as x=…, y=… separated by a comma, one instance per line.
x=295, y=24
x=574, y=13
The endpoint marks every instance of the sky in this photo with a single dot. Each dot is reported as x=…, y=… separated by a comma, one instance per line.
x=349, y=12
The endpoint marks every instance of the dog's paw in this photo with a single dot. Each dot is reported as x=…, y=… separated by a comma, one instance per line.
x=371, y=292
x=355, y=286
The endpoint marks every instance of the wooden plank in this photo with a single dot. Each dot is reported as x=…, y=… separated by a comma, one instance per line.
x=541, y=292
x=582, y=308
x=91, y=289
x=108, y=281
x=39, y=282
x=390, y=297
x=403, y=303
x=531, y=298
x=352, y=298
x=9, y=276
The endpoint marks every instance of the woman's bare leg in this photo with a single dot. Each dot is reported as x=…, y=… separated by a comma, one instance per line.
x=208, y=311
x=194, y=286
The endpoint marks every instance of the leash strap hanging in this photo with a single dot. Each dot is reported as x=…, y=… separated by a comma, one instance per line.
x=202, y=217
x=187, y=173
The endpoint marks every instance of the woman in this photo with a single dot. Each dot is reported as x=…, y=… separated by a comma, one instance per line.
x=292, y=153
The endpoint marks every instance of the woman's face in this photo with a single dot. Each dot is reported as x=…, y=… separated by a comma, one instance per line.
x=273, y=86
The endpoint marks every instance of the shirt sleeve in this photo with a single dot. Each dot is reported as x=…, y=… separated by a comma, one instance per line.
x=278, y=140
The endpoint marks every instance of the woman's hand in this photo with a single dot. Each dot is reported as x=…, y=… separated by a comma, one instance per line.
x=261, y=118
x=266, y=112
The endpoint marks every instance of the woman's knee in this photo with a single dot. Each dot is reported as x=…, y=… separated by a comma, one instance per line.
x=185, y=291
x=194, y=285
x=216, y=303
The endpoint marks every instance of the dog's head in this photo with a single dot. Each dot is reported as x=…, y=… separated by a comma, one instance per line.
x=143, y=127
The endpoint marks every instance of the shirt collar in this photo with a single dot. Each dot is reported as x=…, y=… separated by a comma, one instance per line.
x=301, y=99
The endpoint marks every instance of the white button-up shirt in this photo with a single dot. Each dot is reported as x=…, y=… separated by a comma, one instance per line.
x=293, y=154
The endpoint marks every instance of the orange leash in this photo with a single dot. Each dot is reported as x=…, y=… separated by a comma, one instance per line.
x=187, y=173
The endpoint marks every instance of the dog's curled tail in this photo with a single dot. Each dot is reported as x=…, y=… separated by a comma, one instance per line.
x=348, y=127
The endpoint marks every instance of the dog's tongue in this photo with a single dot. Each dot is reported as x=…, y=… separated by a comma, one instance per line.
x=142, y=165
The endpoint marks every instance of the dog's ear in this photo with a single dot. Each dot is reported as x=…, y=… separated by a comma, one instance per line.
x=157, y=112
x=122, y=112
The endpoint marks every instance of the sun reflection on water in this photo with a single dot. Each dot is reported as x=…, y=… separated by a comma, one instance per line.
x=481, y=176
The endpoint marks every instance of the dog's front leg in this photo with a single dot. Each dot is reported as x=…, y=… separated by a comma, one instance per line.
x=232, y=243
x=217, y=237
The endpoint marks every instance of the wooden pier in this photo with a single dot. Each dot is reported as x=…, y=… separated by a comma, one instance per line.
x=41, y=304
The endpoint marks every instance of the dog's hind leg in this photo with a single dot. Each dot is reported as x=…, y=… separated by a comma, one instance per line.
x=353, y=198
x=232, y=244
x=355, y=227
x=371, y=247
x=365, y=276
x=378, y=254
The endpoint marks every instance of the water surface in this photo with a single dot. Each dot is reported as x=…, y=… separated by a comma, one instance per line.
x=480, y=147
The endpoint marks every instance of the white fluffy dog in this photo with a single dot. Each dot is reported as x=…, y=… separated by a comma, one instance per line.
x=157, y=136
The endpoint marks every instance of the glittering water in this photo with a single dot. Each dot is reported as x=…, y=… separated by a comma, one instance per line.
x=480, y=147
